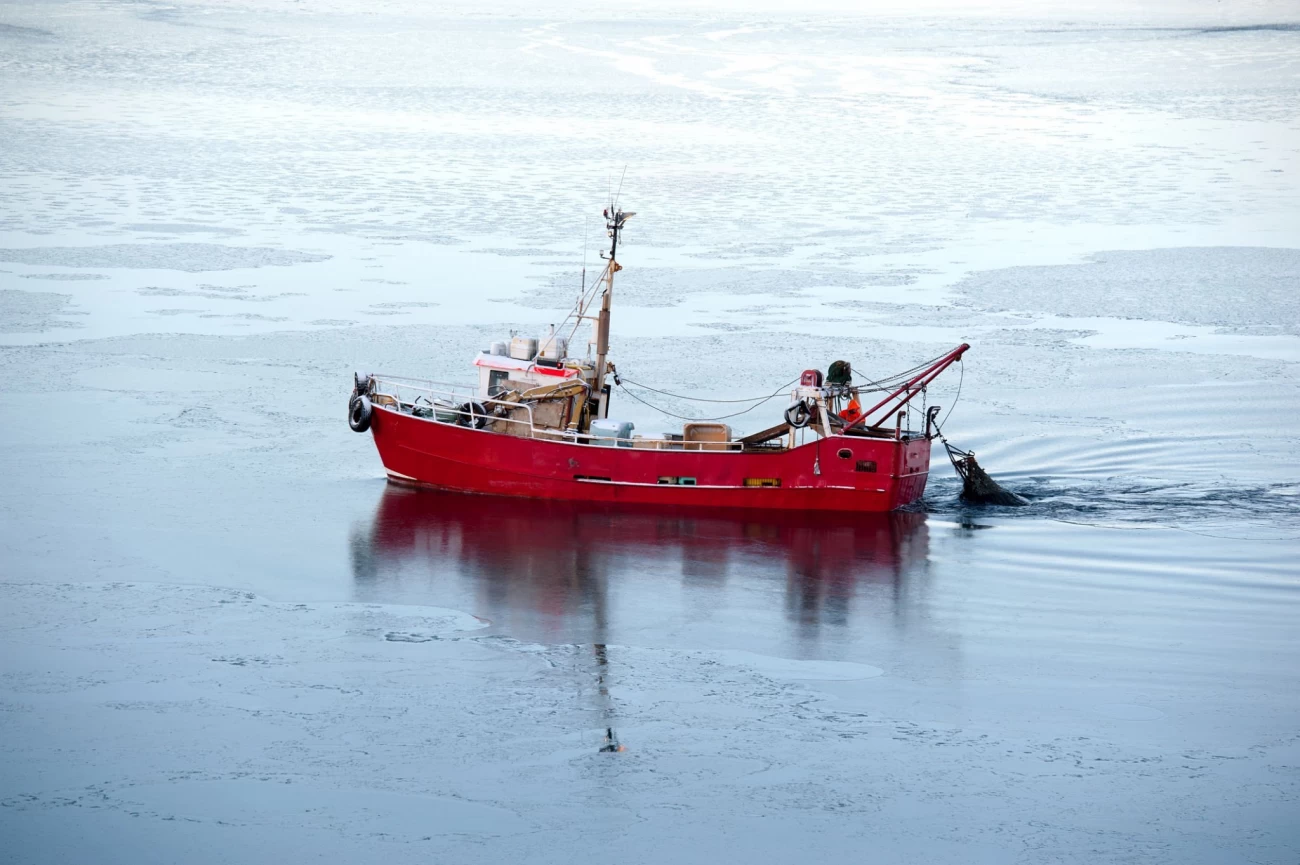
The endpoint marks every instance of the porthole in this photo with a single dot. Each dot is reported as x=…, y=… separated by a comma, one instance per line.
x=845, y=454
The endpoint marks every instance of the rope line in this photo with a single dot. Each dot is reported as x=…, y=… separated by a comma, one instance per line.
x=703, y=399
x=939, y=426
x=885, y=383
x=877, y=385
x=685, y=417
x=882, y=384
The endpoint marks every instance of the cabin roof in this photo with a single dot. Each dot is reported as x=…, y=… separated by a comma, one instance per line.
x=497, y=361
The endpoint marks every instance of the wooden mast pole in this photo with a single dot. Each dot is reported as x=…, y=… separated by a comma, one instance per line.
x=614, y=222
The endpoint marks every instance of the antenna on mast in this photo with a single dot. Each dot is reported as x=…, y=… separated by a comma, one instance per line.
x=614, y=220
x=614, y=203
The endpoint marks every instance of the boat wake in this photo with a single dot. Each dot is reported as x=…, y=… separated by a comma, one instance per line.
x=1267, y=512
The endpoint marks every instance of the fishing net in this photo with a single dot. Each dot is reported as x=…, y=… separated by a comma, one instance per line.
x=976, y=485
x=840, y=372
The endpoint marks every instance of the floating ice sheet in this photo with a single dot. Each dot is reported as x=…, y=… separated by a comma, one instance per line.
x=188, y=257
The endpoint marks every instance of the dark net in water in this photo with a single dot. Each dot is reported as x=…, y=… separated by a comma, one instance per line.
x=976, y=485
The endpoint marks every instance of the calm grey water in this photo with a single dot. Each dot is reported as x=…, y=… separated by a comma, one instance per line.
x=225, y=638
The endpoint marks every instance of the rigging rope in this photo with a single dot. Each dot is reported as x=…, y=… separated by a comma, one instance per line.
x=890, y=380
x=703, y=399
x=685, y=417
x=960, y=379
x=939, y=425
x=880, y=384
x=876, y=386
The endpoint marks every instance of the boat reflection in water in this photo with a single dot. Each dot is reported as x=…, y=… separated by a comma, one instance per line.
x=545, y=571
x=596, y=577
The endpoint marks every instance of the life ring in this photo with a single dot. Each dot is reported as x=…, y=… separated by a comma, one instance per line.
x=359, y=413
x=472, y=414
x=798, y=415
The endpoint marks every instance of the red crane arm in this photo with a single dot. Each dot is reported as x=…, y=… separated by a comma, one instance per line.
x=905, y=393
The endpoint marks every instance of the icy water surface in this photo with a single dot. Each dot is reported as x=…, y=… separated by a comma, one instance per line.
x=225, y=638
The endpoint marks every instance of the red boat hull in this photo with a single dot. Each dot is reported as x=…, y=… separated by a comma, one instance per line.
x=839, y=473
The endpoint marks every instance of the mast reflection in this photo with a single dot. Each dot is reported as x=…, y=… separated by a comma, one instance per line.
x=551, y=571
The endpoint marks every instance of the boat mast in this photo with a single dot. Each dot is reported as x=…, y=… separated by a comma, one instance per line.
x=614, y=225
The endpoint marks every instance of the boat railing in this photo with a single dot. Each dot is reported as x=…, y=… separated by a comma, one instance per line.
x=454, y=404
x=461, y=391
x=442, y=401
x=461, y=405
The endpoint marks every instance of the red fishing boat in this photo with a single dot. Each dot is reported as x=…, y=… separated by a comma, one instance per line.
x=538, y=425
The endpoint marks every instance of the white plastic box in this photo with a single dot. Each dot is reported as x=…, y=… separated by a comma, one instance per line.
x=523, y=347
x=612, y=433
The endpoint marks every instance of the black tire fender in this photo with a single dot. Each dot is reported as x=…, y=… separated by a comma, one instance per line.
x=798, y=415
x=359, y=413
x=472, y=414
